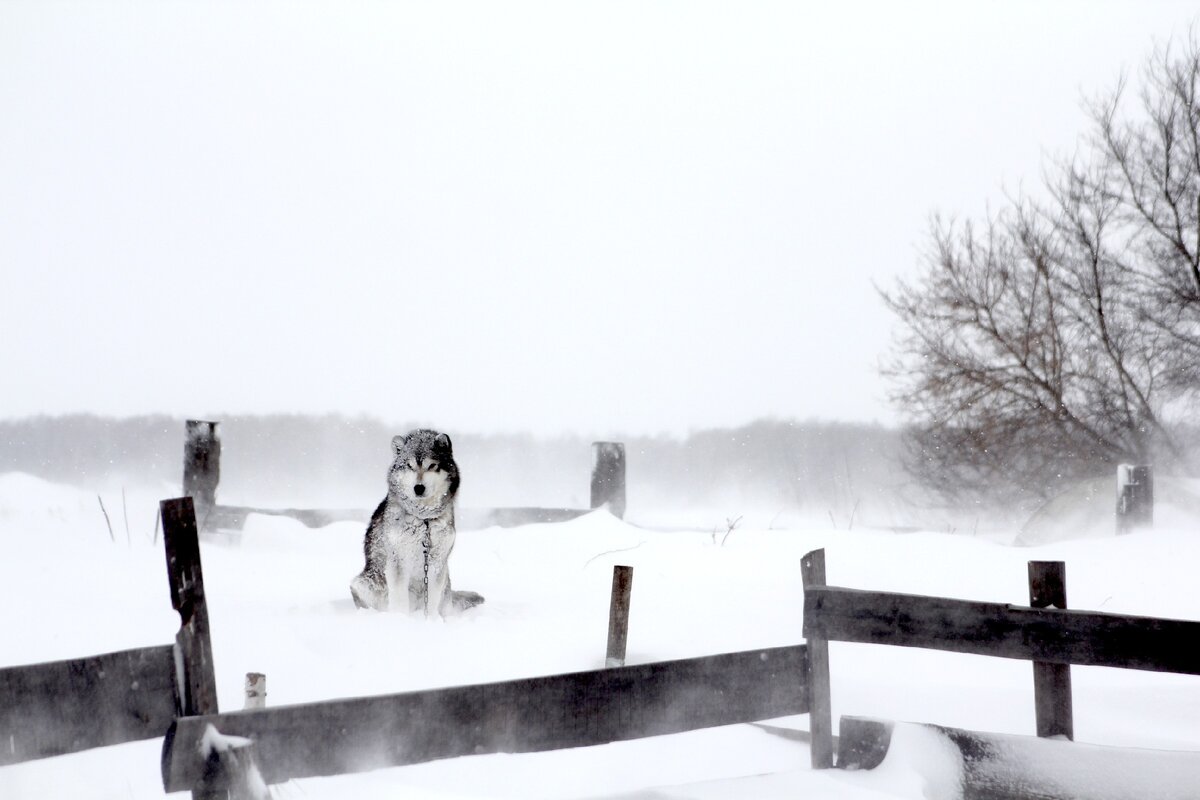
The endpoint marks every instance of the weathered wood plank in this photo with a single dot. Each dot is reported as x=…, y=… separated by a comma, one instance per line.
x=528, y=715
x=511, y=517
x=816, y=669
x=618, y=616
x=863, y=742
x=233, y=518
x=66, y=706
x=1054, y=636
x=1051, y=682
x=186, y=579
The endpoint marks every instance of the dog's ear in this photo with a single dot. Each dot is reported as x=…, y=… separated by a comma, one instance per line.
x=398, y=443
x=443, y=440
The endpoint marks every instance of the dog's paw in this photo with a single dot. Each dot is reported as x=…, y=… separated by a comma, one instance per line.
x=364, y=594
x=461, y=601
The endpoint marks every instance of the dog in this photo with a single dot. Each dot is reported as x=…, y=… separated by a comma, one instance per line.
x=411, y=534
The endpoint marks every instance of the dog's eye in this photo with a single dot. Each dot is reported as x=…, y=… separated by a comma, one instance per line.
x=433, y=467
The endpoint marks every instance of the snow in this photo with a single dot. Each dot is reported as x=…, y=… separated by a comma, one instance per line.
x=213, y=741
x=1061, y=769
x=1086, y=509
x=226, y=749
x=279, y=605
x=1124, y=477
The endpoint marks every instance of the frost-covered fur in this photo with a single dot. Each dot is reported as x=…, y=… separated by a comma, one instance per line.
x=417, y=512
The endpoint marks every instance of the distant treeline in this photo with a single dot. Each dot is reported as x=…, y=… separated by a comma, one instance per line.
x=841, y=472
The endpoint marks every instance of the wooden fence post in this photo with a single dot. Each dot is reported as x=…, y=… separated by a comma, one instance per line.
x=256, y=690
x=198, y=692
x=817, y=666
x=201, y=466
x=618, y=616
x=1135, y=497
x=1051, y=682
x=608, y=476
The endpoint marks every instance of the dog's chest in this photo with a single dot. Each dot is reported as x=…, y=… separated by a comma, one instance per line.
x=408, y=534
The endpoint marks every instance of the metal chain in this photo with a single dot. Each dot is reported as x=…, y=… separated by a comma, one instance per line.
x=427, y=545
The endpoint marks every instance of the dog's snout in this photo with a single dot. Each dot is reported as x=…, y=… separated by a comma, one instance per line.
x=419, y=489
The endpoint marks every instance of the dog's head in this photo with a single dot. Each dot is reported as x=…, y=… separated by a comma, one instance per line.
x=423, y=477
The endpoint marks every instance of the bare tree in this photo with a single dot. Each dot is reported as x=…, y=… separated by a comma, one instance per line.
x=1152, y=164
x=1048, y=343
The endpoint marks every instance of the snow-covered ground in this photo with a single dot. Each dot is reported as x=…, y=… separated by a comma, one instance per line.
x=279, y=605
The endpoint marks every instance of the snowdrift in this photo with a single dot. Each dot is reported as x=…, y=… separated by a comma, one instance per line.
x=279, y=605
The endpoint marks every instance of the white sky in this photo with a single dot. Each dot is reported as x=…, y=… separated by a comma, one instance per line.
x=596, y=217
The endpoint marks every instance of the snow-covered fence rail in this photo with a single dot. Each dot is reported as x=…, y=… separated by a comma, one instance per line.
x=998, y=766
x=67, y=706
x=519, y=716
x=202, y=470
x=1046, y=636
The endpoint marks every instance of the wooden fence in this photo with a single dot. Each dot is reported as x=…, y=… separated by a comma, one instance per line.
x=63, y=707
x=520, y=716
x=170, y=690
x=202, y=471
x=613, y=704
x=1052, y=638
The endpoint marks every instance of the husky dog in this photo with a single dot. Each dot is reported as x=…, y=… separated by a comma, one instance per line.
x=411, y=533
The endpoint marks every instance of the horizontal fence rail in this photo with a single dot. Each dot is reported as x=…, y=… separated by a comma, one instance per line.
x=61, y=707
x=233, y=518
x=202, y=475
x=1048, y=635
x=520, y=716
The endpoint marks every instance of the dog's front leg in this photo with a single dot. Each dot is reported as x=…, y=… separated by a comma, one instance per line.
x=399, y=580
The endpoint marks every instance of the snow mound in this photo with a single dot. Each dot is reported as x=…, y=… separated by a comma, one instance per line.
x=1087, y=511
x=279, y=604
x=25, y=498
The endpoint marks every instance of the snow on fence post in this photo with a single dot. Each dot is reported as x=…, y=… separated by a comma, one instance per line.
x=193, y=646
x=608, y=476
x=820, y=712
x=618, y=616
x=230, y=769
x=256, y=690
x=1051, y=682
x=201, y=466
x=1135, y=497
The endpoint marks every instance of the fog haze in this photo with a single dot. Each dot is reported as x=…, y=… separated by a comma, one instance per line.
x=608, y=219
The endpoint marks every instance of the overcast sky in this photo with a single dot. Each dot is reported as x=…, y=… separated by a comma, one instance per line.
x=595, y=217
